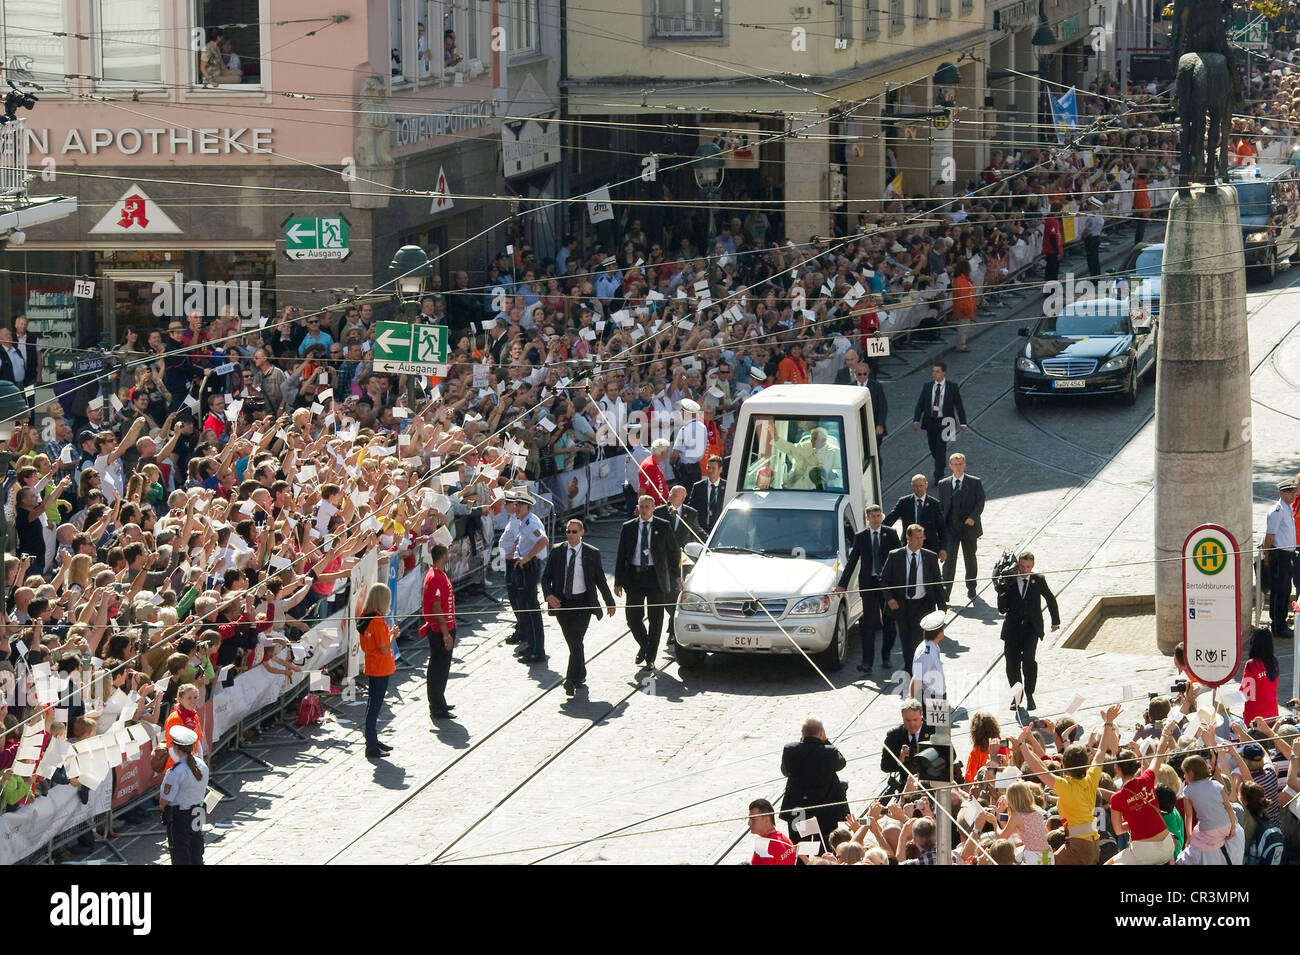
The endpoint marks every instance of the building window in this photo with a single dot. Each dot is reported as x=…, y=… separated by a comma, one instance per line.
x=397, y=42
x=521, y=27
x=944, y=8
x=231, y=37
x=32, y=54
x=922, y=10
x=895, y=15
x=130, y=44
x=844, y=19
x=688, y=18
x=967, y=6
x=871, y=18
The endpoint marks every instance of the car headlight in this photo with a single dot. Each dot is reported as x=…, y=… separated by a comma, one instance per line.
x=1024, y=364
x=1116, y=364
x=692, y=603
x=819, y=604
x=1257, y=237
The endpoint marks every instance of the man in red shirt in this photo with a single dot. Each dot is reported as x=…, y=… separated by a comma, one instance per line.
x=1134, y=810
x=793, y=370
x=651, y=477
x=1053, y=242
x=762, y=823
x=439, y=627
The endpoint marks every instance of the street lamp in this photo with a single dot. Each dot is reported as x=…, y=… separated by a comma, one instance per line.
x=710, y=169
x=411, y=269
x=1044, y=35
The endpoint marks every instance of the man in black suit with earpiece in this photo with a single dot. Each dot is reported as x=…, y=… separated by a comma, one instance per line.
x=1020, y=598
x=572, y=583
x=871, y=547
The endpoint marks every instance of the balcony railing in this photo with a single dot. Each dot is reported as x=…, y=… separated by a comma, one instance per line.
x=13, y=158
x=685, y=21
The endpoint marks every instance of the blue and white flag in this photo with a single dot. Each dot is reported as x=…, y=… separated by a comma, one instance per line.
x=1065, y=114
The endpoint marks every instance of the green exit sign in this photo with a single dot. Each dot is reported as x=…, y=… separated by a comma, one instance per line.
x=324, y=237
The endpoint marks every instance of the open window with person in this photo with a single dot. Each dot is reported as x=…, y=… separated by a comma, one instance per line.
x=228, y=38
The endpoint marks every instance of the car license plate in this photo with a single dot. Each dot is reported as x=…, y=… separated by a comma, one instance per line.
x=745, y=642
x=1069, y=383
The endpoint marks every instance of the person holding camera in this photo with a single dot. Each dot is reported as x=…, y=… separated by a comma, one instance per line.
x=813, y=788
x=1020, y=600
x=904, y=742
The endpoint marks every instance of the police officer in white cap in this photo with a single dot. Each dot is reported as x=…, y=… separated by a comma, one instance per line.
x=181, y=799
x=689, y=446
x=506, y=545
x=927, y=663
x=527, y=558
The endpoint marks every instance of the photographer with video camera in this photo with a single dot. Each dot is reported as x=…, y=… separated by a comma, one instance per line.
x=904, y=746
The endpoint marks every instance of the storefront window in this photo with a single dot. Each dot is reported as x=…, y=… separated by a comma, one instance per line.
x=130, y=41
x=230, y=41
x=41, y=288
x=32, y=53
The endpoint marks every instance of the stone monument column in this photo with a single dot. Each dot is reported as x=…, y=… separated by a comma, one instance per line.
x=1203, y=448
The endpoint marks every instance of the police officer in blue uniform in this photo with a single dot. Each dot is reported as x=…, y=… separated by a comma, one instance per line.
x=528, y=549
x=181, y=800
x=509, y=537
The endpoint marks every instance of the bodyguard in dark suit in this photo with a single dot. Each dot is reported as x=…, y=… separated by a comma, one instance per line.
x=647, y=566
x=1020, y=598
x=939, y=403
x=872, y=545
x=572, y=583
x=810, y=768
x=961, y=501
x=682, y=518
x=920, y=508
x=914, y=587
x=707, y=495
x=863, y=377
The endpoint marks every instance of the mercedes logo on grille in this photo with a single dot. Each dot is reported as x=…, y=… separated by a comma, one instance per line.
x=749, y=608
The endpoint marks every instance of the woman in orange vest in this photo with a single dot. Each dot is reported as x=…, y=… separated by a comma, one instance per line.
x=1141, y=205
x=377, y=644
x=964, y=298
x=184, y=713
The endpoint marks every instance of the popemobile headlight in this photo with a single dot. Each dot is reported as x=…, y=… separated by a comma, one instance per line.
x=1257, y=237
x=1024, y=364
x=692, y=603
x=1116, y=364
x=818, y=604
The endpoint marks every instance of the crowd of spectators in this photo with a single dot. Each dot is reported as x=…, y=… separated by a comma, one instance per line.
x=201, y=514
x=1192, y=782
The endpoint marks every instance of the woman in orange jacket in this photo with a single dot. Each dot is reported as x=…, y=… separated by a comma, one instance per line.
x=964, y=299
x=377, y=644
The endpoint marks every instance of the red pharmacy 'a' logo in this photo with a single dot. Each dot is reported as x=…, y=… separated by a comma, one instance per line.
x=133, y=212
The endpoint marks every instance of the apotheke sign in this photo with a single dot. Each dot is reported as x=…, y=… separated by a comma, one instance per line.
x=410, y=129
x=156, y=141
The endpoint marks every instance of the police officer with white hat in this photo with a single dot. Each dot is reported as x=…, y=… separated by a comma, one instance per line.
x=1279, y=554
x=526, y=557
x=506, y=546
x=927, y=663
x=181, y=799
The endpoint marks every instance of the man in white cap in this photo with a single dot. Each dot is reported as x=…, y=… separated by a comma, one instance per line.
x=506, y=547
x=181, y=798
x=690, y=444
x=1093, y=223
x=927, y=663
x=757, y=379
x=527, y=559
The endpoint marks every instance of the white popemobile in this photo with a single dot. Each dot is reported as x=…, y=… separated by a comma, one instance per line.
x=803, y=471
